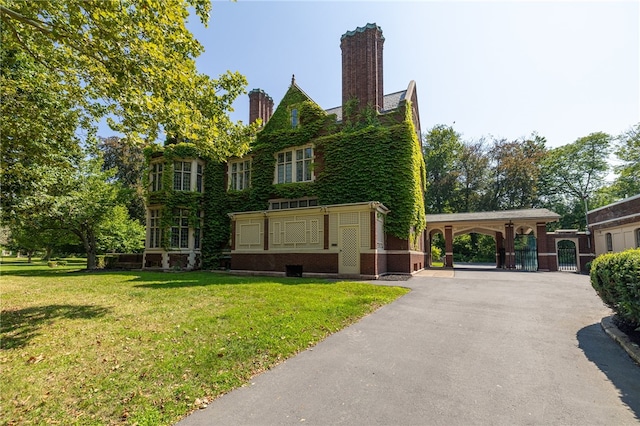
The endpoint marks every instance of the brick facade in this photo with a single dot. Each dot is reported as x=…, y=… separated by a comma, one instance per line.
x=260, y=106
x=362, y=66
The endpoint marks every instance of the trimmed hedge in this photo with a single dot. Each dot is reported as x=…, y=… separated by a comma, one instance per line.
x=616, y=279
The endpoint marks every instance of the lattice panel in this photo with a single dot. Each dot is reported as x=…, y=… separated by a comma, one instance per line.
x=276, y=237
x=295, y=232
x=314, y=227
x=350, y=251
x=364, y=230
x=349, y=218
x=249, y=234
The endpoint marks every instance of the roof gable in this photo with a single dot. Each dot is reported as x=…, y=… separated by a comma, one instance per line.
x=293, y=99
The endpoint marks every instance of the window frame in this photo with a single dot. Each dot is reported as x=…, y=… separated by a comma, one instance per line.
x=609, y=241
x=155, y=228
x=180, y=229
x=184, y=180
x=295, y=165
x=239, y=180
x=155, y=176
x=637, y=232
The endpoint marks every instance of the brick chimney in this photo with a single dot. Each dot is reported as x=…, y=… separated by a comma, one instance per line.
x=260, y=106
x=362, y=66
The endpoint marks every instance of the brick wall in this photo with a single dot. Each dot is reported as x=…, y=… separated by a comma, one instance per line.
x=362, y=66
x=615, y=214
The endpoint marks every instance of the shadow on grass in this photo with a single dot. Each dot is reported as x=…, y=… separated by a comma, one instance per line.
x=18, y=327
x=208, y=279
x=39, y=269
x=614, y=362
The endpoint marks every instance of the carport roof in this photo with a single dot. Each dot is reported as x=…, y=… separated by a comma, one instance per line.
x=540, y=215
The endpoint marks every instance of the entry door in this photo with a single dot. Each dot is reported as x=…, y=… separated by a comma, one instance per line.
x=349, y=258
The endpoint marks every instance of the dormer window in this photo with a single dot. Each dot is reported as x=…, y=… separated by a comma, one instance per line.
x=239, y=174
x=294, y=165
x=294, y=118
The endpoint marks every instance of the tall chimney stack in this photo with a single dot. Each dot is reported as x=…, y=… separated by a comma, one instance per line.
x=362, y=66
x=260, y=106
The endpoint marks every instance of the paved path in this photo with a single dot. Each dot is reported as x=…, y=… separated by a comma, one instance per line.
x=483, y=347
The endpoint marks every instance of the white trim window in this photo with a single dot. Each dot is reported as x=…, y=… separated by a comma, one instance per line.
x=182, y=175
x=609, y=240
x=199, y=177
x=155, y=231
x=294, y=165
x=156, y=176
x=239, y=174
x=180, y=229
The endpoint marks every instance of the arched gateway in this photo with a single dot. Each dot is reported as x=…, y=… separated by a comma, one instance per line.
x=504, y=226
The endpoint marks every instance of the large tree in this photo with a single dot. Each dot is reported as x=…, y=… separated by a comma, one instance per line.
x=84, y=202
x=131, y=61
x=573, y=172
x=441, y=149
x=473, y=164
x=627, y=182
x=127, y=161
x=516, y=167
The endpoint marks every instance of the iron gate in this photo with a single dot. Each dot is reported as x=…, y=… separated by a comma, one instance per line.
x=526, y=259
x=567, y=259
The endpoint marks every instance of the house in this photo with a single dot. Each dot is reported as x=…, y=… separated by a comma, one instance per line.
x=336, y=192
x=616, y=227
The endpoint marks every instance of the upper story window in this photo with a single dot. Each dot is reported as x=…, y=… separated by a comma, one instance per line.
x=294, y=165
x=156, y=176
x=182, y=175
x=199, y=178
x=239, y=174
x=609, y=239
x=294, y=118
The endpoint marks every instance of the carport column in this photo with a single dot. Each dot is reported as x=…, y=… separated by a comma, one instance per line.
x=509, y=246
x=499, y=250
x=448, y=246
x=543, y=247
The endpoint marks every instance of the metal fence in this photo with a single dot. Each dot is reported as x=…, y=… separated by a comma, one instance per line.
x=526, y=259
x=567, y=259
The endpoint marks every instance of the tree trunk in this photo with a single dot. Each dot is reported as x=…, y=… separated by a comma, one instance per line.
x=88, y=238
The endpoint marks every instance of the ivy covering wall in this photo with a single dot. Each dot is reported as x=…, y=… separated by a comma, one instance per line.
x=367, y=157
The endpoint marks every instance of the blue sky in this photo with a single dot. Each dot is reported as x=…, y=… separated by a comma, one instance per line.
x=494, y=68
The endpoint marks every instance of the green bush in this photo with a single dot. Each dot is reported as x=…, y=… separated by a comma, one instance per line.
x=436, y=253
x=616, y=279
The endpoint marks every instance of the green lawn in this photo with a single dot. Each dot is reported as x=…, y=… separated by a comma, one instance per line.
x=148, y=348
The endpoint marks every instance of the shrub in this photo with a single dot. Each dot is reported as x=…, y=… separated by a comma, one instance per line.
x=616, y=279
x=436, y=253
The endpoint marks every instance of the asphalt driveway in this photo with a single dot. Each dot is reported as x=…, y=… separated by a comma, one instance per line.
x=483, y=347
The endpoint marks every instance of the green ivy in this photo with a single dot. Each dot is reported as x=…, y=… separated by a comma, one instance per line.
x=167, y=197
x=367, y=157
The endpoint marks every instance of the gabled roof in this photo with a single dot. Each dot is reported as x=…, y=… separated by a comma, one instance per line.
x=500, y=216
x=391, y=102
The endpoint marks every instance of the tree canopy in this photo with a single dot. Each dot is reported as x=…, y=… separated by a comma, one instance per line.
x=129, y=61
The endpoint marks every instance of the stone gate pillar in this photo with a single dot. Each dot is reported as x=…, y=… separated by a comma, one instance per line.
x=542, y=245
x=500, y=253
x=448, y=246
x=510, y=252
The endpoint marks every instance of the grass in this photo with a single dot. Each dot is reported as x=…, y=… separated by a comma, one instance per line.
x=146, y=347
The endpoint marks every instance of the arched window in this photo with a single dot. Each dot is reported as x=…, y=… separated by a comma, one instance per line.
x=609, y=239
